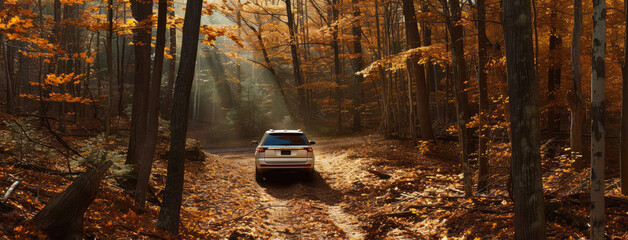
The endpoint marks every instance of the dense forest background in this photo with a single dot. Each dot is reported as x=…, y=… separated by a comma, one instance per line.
x=90, y=85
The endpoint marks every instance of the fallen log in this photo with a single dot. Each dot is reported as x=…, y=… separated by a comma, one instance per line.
x=62, y=217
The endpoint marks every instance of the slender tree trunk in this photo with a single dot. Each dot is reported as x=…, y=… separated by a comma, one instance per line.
x=296, y=65
x=358, y=64
x=623, y=164
x=142, y=12
x=598, y=133
x=524, y=121
x=413, y=39
x=121, y=68
x=574, y=96
x=426, y=30
x=145, y=160
x=337, y=64
x=462, y=99
x=484, y=103
x=385, y=109
x=109, y=46
x=221, y=82
x=553, y=77
x=172, y=65
x=9, y=77
x=171, y=207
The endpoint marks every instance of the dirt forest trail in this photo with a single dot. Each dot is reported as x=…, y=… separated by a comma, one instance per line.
x=368, y=187
x=298, y=208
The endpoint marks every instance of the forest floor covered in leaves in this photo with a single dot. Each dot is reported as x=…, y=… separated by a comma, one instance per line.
x=365, y=187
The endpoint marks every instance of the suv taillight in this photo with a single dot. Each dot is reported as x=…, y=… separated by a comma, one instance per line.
x=261, y=149
x=309, y=149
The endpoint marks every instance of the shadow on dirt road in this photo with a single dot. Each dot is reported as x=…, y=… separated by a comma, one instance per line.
x=295, y=185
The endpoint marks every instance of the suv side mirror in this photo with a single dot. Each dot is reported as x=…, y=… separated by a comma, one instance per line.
x=255, y=142
x=312, y=142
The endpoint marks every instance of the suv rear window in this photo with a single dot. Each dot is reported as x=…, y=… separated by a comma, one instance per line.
x=285, y=139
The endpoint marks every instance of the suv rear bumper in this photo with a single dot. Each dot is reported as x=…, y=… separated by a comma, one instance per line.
x=284, y=163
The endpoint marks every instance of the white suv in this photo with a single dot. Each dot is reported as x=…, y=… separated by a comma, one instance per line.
x=281, y=150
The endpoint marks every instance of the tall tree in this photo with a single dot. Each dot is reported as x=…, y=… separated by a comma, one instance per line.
x=417, y=72
x=358, y=63
x=145, y=160
x=337, y=64
x=623, y=164
x=460, y=85
x=109, y=46
x=142, y=12
x=524, y=121
x=598, y=134
x=553, y=75
x=484, y=103
x=574, y=95
x=171, y=207
x=172, y=63
x=296, y=65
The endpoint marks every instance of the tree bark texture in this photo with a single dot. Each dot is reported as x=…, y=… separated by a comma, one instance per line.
x=484, y=103
x=358, y=64
x=574, y=96
x=142, y=12
x=417, y=72
x=171, y=207
x=598, y=133
x=623, y=164
x=145, y=158
x=461, y=96
x=553, y=77
x=172, y=64
x=109, y=46
x=337, y=64
x=524, y=121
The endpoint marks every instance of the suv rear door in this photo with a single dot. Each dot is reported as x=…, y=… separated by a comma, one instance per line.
x=286, y=148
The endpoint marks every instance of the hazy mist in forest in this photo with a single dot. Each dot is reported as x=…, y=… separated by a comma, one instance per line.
x=228, y=103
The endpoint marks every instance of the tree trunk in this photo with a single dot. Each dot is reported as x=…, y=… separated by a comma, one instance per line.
x=623, y=163
x=222, y=84
x=598, y=133
x=62, y=217
x=145, y=160
x=484, y=103
x=337, y=64
x=553, y=77
x=462, y=99
x=8, y=61
x=121, y=67
x=432, y=83
x=296, y=66
x=109, y=46
x=574, y=96
x=142, y=12
x=172, y=65
x=524, y=121
x=413, y=39
x=358, y=64
x=171, y=206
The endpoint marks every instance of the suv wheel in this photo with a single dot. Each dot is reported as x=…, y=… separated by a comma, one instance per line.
x=258, y=175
